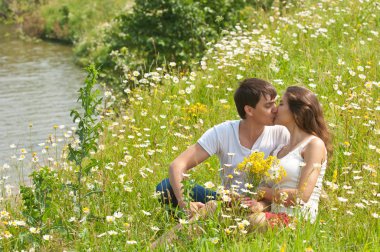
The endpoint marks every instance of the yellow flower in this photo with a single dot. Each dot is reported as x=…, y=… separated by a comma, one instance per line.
x=196, y=109
x=258, y=167
x=7, y=234
x=335, y=176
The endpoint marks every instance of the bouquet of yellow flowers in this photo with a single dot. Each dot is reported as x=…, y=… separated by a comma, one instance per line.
x=261, y=169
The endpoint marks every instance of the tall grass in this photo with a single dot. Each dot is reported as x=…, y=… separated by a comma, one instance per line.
x=330, y=47
x=71, y=20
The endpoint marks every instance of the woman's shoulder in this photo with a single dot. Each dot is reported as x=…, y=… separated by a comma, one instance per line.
x=315, y=146
x=316, y=142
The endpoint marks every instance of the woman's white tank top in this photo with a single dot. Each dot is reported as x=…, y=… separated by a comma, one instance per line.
x=293, y=164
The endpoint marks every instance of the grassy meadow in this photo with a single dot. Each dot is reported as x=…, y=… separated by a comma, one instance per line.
x=330, y=47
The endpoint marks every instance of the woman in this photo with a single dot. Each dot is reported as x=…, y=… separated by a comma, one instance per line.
x=304, y=158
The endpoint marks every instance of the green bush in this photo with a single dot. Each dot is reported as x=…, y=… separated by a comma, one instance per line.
x=70, y=20
x=158, y=31
x=174, y=30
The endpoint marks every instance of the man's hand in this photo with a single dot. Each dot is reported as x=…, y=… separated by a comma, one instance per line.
x=193, y=156
x=194, y=208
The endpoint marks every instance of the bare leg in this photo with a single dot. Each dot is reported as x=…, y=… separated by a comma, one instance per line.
x=258, y=222
x=170, y=236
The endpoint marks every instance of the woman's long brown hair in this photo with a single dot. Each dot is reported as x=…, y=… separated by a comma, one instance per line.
x=307, y=113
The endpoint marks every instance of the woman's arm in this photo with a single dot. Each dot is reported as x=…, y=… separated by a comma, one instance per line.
x=314, y=155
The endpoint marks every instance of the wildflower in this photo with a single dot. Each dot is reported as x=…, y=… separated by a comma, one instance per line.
x=86, y=210
x=4, y=214
x=110, y=218
x=371, y=147
x=341, y=199
x=227, y=231
x=226, y=198
x=183, y=221
x=7, y=234
x=154, y=228
x=101, y=235
x=175, y=79
x=118, y=215
x=146, y=213
x=34, y=230
x=131, y=242
x=360, y=205
x=214, y=240
x=209, y=185
x=107, y=94
x=349, y=212
x=375, y=215
x=346, y=187
x=47, y=237
x=112, y=232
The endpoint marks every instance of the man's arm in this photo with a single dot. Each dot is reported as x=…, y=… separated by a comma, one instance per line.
x=191, y=157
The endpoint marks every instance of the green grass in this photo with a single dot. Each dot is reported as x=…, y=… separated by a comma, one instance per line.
x=70, y=20
x=154, y=128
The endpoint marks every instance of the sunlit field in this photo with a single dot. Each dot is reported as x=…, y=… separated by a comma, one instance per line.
x=331, y=47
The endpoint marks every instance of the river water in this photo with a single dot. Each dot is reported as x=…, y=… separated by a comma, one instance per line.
x=38, y=86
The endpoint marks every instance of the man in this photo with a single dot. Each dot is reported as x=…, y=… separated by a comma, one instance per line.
x=231, y=141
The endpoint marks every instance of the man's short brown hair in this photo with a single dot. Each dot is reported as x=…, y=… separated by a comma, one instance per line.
x=249, y=93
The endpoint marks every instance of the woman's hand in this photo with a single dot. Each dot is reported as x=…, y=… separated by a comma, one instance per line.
x=254, y=205
x=266, y=193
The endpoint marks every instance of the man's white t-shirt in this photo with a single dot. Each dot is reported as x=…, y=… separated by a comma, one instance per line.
x=223, y=140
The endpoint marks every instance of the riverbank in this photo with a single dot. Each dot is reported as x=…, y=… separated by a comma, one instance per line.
x=65, y=21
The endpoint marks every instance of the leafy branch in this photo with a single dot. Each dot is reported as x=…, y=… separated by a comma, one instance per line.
x=88, y=131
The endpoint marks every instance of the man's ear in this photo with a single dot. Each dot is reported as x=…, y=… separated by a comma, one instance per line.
x=248, y=110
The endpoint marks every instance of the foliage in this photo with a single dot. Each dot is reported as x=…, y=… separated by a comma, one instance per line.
x=40, y=208
x=173, y=30
x=38, y=200
x=87, y=132
x=14, y=9
x=158, y=32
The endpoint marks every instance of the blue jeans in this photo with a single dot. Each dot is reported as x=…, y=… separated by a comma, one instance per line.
x=199, y=193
